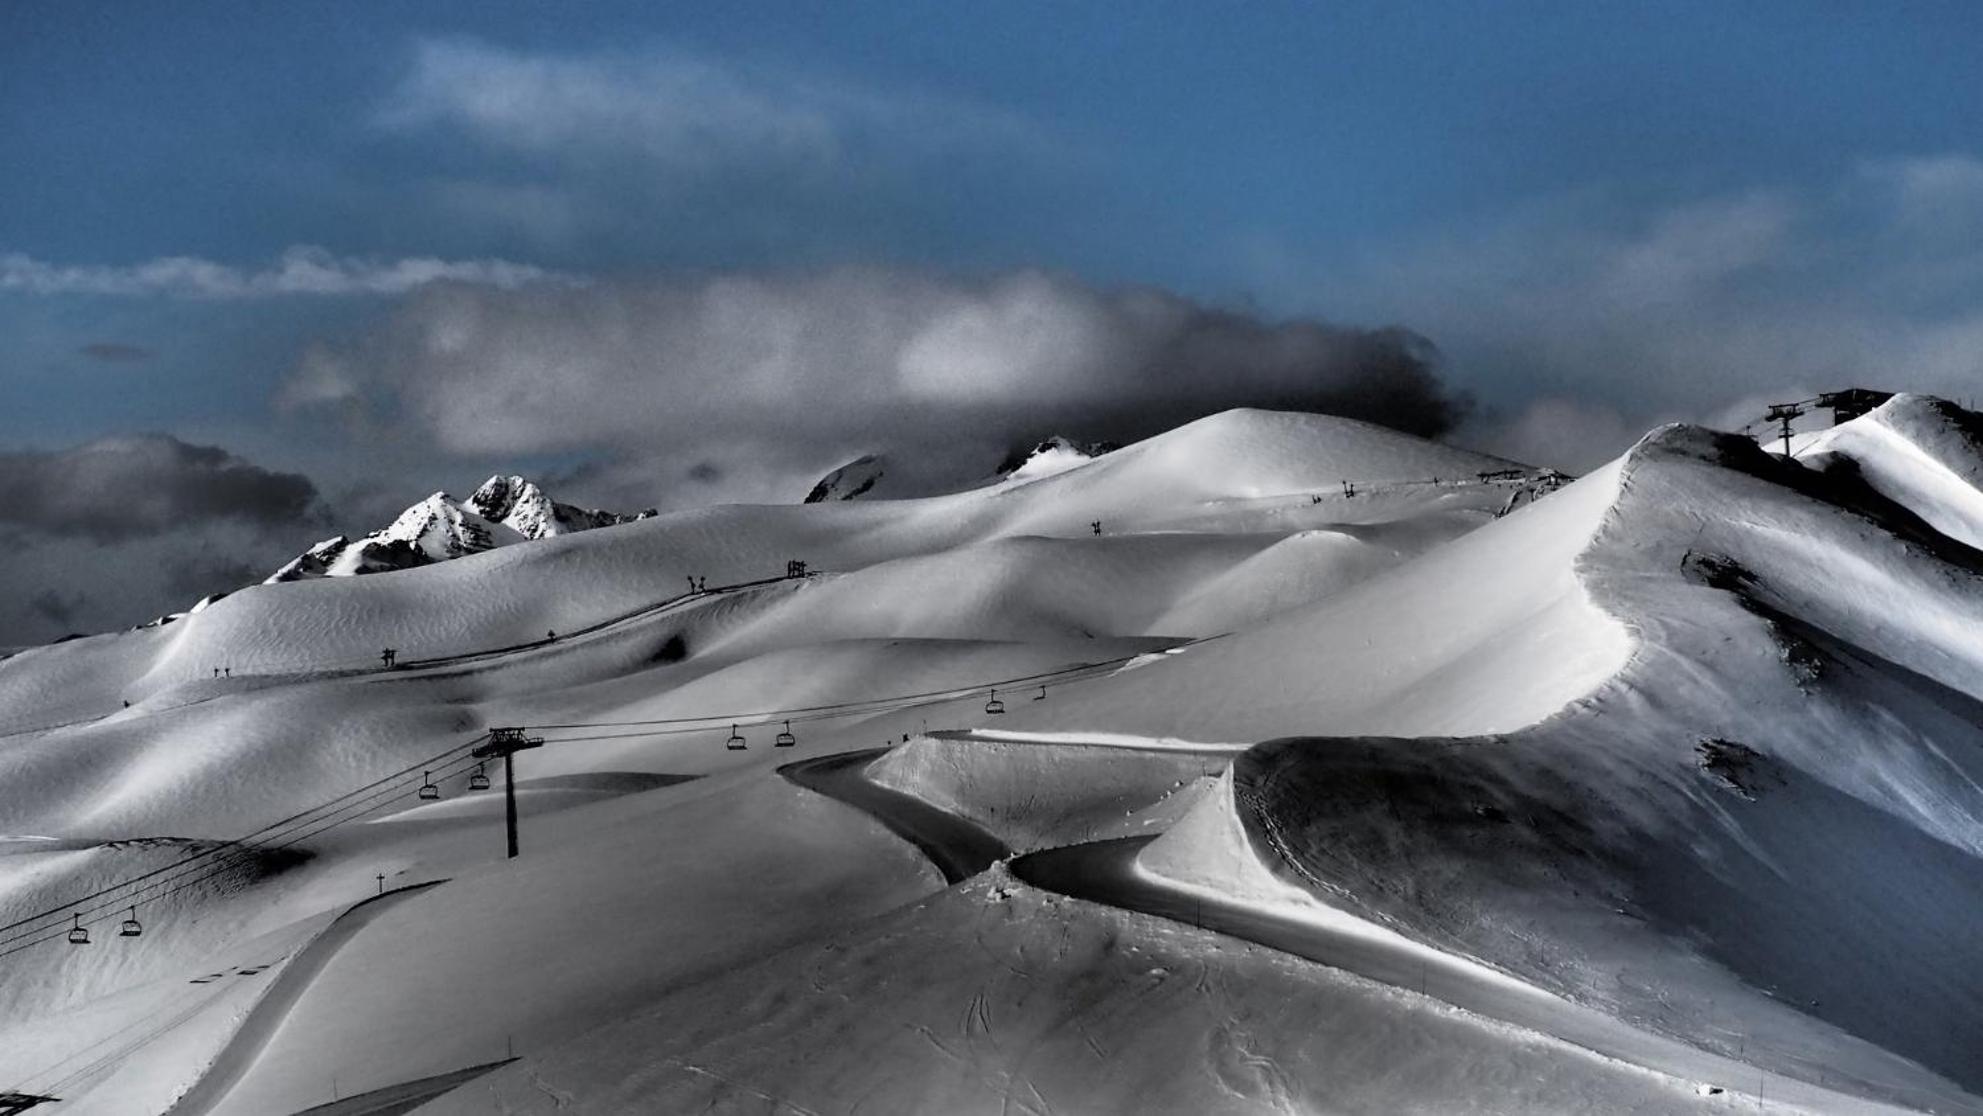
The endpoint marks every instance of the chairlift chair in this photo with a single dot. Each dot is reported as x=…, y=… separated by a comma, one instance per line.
x=478, y=781
x=78, y=933
x=428, y=790
x=994, y=706
x=736, y=741
x=786, y=739
x=130, y=927
x=1042, y=695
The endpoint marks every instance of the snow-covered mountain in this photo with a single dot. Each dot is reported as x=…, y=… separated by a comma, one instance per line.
x=861, y=478
x=851, y=481
x=524, y=508
x=1336, y=770
x=505, y=509
x=1055, y=455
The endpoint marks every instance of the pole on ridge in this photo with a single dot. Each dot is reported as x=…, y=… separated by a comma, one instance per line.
x=507, y=742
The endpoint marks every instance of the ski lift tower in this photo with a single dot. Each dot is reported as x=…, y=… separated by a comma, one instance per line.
x=1783, y=413
x=504, y=742
x=1852, y=402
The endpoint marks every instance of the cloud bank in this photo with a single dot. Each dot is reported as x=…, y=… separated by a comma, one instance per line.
x=301, y=270
x=1584, y=320
x=741, y=373
x=115, y=489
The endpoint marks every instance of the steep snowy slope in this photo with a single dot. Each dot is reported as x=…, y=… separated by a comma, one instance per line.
x=1490, y=632
x=1764, y=835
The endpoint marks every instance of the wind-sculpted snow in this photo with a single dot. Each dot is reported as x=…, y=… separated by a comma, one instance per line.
x=1925, y=454
x=1688, y=686
x=1488, y=633
x=1764, y=835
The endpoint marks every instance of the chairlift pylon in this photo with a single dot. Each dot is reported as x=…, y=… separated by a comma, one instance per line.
x=478, y=781
x=78, y=933
x=130, y=927
x=736, y=741
x=786, y=739
x=994, y=706
x=428, y=790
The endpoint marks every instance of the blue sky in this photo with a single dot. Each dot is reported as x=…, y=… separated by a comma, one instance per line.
x=304, y=232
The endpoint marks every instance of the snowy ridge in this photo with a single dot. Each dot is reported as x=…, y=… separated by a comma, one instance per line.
x=1055, y=455
x=1693, y=816
x=524, y=508
x=505, y=509
x=851, y=481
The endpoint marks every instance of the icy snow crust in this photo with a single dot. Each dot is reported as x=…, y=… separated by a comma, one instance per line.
x=735, y=941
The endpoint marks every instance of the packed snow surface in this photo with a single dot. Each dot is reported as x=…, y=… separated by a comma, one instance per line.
x=1669, y=775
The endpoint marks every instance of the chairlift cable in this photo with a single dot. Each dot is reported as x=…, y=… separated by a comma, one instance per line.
x=20, y=943
x=226, y=851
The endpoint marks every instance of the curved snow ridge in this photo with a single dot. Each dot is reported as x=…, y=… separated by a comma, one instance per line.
x=1492, y=632
x=1120, y=740
x=1213, y=849
x=1214, y=857
x=1914, y=451
x=282, y=994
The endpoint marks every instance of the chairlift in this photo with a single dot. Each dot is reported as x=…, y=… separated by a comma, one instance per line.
x=478, y=781
x=736, y=741
x=78, y=934
x=994, y=706
x=130, y=927
x=428, y=790
x=1042, y=695
x=786, y=739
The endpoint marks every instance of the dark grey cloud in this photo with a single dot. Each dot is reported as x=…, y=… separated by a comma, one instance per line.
x=57, y=608
x=129, y=487
x=189, y=577
x=764, y=377
x=116, y=352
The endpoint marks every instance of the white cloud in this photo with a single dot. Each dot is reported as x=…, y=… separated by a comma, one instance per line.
x=1936, y=194
x=300, y=270
x=689, y=113
x=1566, y=434
x=1690, y=310
x=770, y=376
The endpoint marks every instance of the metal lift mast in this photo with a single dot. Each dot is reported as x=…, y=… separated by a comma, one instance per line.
x=507, y=742
x=1783, y=413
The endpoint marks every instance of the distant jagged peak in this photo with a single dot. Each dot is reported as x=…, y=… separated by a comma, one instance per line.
x=851, y=481
x=503, y=510
x=441, y=529
x=1057, y=454
x=522, y=506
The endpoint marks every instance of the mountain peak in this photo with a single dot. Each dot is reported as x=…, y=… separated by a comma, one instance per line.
x=503, y=510
x=1057, y=454
x=850, y=481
